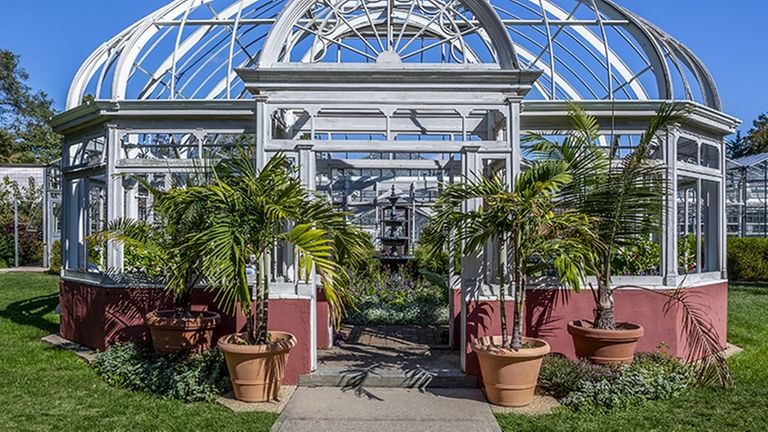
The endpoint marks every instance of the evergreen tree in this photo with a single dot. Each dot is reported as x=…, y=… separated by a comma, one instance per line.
x=755, y=142
x=25, y=133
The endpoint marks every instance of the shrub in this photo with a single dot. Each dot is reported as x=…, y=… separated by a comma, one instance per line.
x=54, y=263
x=189, y=378
x=30, y=244
x=583, y=386
x=641, y=258
x=748, y=259
x=6, y=248
x=398, y=299
x=560, y=376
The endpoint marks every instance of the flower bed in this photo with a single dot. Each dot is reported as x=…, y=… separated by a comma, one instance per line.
x=399, y=300
x=580, y=385
x=189, y=378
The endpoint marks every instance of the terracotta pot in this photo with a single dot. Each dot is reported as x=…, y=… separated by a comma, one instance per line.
x=257, y=371
x=171, y=334
x=510, y=376
x=605, y=346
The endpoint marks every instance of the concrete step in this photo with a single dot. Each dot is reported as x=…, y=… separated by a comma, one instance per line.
x=379, y=376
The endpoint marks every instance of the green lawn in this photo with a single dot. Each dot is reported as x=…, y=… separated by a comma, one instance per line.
x=43, y=388
x=743, y=408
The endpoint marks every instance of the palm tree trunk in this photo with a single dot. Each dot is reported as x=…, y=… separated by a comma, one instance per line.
x=517, y=325
x=264, y=330
x=183, y=303
x=605, y=318
x=260, y=336
x=251, y=326
x=502, y=297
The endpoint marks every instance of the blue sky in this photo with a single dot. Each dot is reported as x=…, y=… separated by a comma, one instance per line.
x=55, y=36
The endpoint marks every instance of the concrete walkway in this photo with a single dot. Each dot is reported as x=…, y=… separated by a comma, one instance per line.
x=24, y=270
x=386, y=410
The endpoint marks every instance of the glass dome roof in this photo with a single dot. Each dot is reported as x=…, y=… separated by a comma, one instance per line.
x=587, y=49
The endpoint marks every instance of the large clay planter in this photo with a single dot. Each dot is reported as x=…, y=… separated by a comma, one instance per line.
x=509, y=376
x=172, y=334
x=257, y=371
x=605, y=346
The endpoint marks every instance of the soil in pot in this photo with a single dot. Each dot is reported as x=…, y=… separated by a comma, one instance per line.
x=509, y=376
x=257, y=371
x=173, y=333
x=605, y=346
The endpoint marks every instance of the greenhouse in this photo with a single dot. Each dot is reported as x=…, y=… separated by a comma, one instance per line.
x=365, y=97
x=746, y=185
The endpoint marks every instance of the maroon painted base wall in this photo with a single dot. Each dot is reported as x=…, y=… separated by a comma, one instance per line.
x=98, y=317
x=548, y=312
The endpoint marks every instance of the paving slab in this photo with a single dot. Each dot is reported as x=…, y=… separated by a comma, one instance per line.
x=386, y=410
x=542, y=404
x=276, y=406
x=24, y=270
x=57, y=341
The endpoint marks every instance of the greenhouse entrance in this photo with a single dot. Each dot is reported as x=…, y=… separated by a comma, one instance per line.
x=360, y=133
x=398, y=334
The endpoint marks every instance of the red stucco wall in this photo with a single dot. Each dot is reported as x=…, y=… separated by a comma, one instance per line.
x=98, y=317
x=548, y=312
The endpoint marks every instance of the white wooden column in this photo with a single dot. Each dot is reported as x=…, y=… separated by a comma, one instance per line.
x=471, y=264
x=308, y=175
x=722, y=211
x=669, y=220
x=263, y=131
x=513, y=138
x=70, y=218
x=114, y=196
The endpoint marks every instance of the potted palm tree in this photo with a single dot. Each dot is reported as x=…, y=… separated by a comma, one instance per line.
x=249, y=212
x=524, y=225
x=623, y=198
x=156, y=248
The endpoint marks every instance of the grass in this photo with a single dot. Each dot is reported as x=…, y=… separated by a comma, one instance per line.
x=43, y=388
x=742, y=408
x=47, y=389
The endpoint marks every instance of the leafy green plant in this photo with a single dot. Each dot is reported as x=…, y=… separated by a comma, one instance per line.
x=522, y=222
x=641, y=258
x=686, y=253
x=623, y=200
x=190, y=378
x=154, y=249
x=400, y=299
x=432, y=263
x=581, y=385
x=54, y=265
x=6, y=247
x=748, y=259
x=247, y=212
x=623, y=197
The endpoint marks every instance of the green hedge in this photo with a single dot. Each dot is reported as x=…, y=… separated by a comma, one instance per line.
x=55, y=259
x=748, y=259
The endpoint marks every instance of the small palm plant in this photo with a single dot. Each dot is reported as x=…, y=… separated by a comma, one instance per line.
x=624, y=201
x=531, y=236
x=159, y=243
x=623, y=197
x=524, y=225
x=249, y=212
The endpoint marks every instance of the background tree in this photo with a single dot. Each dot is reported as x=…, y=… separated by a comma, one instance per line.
x=25, y=133
x=754, y=142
